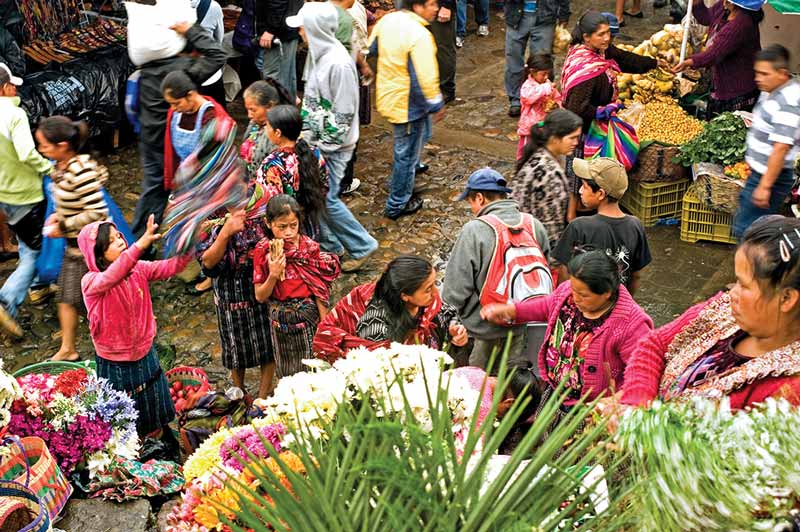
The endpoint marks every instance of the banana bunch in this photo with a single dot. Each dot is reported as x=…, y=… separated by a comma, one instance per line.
x=656, y=85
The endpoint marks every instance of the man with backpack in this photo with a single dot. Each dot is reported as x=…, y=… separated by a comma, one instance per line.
x=499, y=257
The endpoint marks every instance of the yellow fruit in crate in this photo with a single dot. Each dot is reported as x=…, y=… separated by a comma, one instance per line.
x=665, y=121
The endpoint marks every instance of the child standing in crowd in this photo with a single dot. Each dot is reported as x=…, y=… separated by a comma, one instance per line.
x=604, y=182
x=78, y=196
x=538, y=96
x=295, y=276
x=226, y=255
x=121, y=321
x=294, y=168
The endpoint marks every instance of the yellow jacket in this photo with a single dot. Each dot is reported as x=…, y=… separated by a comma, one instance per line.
x=408, y=74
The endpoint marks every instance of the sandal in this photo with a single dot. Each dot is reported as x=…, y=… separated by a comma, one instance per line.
x=640, y=14
x=202, y=285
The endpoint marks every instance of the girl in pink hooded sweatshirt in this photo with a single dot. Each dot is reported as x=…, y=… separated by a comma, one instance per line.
x=117, y=296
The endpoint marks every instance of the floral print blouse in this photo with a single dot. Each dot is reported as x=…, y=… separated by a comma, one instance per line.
x=566, y=349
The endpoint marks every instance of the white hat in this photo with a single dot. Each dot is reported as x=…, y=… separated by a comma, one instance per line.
x=14, y=80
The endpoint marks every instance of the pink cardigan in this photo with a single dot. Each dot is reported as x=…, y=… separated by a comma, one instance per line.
x=612, y=343
x=118, y=304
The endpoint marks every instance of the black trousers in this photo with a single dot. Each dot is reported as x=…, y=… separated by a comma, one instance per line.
x=154, y=197
x=217, y=91
x=444, y=33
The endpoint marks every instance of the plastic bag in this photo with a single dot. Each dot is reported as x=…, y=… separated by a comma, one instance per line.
x=612, y=138
x=149, y=36
x=561, y=39
x=633, y=114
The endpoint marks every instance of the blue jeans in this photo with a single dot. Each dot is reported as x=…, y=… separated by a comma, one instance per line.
x=481, y=15
x=537, y=38
x=409, y=141
x=747, y=213
x=340, y=230
x=278, y=63
x=16, y=286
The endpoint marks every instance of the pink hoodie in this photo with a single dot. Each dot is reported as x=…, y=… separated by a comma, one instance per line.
x=118, y=304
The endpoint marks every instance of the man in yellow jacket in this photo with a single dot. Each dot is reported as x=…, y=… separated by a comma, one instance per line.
x=21, y=196
x=407, y=94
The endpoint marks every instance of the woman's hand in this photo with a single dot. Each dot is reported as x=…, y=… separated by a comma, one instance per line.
x=501, y=314
x=150, y=235
x=234, y=224
x=458, y=335
x=277, y=266
x=181, y=27
x=663, y=64
x=680, y=67
x=611, y=410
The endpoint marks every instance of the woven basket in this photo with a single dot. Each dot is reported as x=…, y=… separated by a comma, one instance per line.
x=189, y=376
x=15, y=501
x=715, y=189
x=655, y=165
x=55, y=367
x=31, y=464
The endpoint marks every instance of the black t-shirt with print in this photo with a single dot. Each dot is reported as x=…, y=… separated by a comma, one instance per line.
x=623, y=238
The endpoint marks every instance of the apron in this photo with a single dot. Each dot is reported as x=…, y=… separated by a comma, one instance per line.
x=184, y=142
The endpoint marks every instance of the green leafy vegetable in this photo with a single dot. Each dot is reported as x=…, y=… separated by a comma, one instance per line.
x=722, y=142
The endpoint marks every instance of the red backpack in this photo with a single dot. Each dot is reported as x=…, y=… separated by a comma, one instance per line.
x=518, y=270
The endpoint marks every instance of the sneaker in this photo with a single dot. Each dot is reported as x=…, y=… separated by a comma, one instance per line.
x=483, y=30
x=459, y=42
x=413, y=205
x=352, y=188
x=9, y=324
x=352, y=265
x=40, y=294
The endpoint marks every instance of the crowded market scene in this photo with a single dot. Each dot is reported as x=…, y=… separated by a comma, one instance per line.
x=399, y=265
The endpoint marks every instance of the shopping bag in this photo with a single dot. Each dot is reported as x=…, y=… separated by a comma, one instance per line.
x=48, y=264
x=29, y=463
x=612, y=138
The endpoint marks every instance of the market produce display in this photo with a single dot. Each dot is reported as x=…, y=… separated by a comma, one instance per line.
x=700, y=466
x=740, y=170
x=668, y=123
x=85, y=423
x=721, y=142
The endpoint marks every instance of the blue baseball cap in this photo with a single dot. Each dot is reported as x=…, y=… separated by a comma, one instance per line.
x=485, y=179
x=750, y=5
x=613, y=23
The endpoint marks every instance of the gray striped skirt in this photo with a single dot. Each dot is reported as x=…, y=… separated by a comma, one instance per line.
x=294, y=323
x=146, y=383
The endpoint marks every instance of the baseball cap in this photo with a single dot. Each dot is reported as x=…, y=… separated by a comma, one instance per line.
x=7, y=77
x=608, y=173
x=750, y=5
x=485, y=179
x=613, y=23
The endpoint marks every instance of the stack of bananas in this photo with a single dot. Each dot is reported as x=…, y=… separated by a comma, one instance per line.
x=668, y=123
x=657, y=85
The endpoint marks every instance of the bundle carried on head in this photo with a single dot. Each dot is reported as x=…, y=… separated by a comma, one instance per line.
x=208, y=181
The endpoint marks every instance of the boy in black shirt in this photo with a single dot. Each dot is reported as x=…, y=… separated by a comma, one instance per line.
x=604, y=182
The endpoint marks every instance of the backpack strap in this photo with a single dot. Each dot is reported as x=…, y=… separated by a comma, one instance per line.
x=202, y=9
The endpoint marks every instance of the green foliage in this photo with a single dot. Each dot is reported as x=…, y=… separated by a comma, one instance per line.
x=375, y=473
x=722, y=142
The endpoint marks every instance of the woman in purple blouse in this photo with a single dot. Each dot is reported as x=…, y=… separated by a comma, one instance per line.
x=733, y=40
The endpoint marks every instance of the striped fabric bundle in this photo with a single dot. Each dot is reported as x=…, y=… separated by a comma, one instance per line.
x=613, y=138
x=210, y=181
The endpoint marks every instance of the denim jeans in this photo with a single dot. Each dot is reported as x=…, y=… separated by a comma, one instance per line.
x=154, y=197
x=537, y=38
x=409, y=141
x=340, y=231
x=278, y=63
x=16, y=286
x=481, y=15
x=747, y=213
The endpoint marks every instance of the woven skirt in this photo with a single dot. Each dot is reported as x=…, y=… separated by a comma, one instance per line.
x=73, y=268
x=146, y=383
x=293, y=325
x=244, y=330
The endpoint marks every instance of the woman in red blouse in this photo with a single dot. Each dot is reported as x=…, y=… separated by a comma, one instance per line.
x=743, y=344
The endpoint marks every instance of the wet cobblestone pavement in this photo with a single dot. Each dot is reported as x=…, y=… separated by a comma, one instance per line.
x=476, y=132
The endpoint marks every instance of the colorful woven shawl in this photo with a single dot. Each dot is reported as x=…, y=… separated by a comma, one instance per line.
x=582, y=64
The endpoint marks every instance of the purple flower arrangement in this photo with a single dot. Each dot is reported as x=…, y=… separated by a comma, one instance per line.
x=234, y=450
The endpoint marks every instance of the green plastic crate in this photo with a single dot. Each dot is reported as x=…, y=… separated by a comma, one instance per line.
x=651, y=202
x=699, y=222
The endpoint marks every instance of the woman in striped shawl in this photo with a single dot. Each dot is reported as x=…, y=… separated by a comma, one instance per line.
x=79, y=201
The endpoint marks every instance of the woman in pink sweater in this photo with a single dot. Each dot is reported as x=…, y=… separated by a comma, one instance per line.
x=743, y=344
x=121, y=320
x=593, y=326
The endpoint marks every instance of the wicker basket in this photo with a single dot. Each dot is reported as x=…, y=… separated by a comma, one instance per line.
x=715, y=189
x=655, y=165
x=55, y=367
x=189, y=376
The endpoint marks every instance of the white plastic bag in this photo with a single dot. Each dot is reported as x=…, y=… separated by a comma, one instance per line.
x=149, y=36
